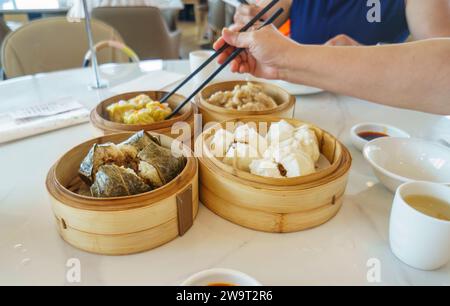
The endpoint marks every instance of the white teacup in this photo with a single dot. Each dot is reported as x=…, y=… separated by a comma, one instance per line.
x=420, y=241
x=220, y=276
x=196, y=59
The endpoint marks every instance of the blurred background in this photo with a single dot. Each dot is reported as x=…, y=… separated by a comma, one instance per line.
x=152, y=29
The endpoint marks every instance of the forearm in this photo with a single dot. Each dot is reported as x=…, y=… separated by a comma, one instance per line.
x=428, y=19
x=414, y=76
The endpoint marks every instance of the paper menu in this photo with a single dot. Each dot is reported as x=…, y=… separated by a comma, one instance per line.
x=41, y=118
x=43, y=110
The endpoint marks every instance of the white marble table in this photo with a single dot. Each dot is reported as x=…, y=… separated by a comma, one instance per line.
x=337, y=253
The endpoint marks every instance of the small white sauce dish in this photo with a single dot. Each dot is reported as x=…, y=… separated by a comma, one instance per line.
x=220, y=276
x=389, y=130
x=400, y=160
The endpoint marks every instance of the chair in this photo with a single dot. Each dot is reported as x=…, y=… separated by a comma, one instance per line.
x=216, y=17
x=4, y=31
x=144, y=30
x=53, y=44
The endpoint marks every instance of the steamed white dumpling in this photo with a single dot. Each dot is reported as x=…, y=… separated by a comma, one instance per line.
x=243, y=133
x=279, y=151
x=308, y=141
x=242, y=154
x=247, y=134
x=297, y=164
x=280, y=131
x=265, y=167
x=221, y=142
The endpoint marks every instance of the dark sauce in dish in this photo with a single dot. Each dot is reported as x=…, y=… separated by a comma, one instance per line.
x=369, y=136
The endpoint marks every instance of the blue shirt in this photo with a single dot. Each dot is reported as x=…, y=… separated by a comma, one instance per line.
x=317, y=21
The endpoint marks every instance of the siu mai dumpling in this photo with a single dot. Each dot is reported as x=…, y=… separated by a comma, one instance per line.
x=117, y=110
x=114, y=181
x=97, y=156
x=241, y=155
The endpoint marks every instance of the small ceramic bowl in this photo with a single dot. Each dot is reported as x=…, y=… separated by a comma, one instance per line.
x=216, y=277
x=389, y=130
x=400, y=160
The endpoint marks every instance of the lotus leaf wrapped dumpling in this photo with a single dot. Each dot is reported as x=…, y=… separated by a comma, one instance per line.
x=115, y=181
x=100, y=155
x=134, y=166
x=166, y=164
x=138, y=141
x=150, y=174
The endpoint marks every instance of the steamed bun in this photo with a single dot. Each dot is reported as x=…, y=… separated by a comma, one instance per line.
x=242, y=154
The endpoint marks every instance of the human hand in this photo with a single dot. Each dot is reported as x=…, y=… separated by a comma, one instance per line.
x=265, y=54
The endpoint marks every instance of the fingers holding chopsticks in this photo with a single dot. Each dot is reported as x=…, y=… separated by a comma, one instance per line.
x=230, y=59
x=235, y=40
x=264, y=49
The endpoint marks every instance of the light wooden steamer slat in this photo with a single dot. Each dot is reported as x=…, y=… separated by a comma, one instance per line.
x=103, y=126
x=266, y=204
x=215, y=114
x=122, y=225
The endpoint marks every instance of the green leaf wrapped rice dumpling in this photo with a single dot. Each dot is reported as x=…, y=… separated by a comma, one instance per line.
x=115, y=181
x=166, y=164
x=99, y=155
x=134, y=166
x=139, y=141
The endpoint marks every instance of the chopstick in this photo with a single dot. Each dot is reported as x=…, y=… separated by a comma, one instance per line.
x=219, y=51
x=227, y=61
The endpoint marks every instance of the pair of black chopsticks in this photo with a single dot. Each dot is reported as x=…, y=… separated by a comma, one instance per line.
x=233, y=55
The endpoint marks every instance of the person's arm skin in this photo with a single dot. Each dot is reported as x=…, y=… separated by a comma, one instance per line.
x=411, y=75
x=244, y=13
x=428, y=19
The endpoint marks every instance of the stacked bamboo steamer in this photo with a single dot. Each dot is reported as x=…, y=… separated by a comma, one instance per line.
x=122, y=225
x=171, y=127
x=273, y=204
x=215, y=114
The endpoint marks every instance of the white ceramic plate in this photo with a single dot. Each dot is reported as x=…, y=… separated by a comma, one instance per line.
x=399, y=160
x=297, y=89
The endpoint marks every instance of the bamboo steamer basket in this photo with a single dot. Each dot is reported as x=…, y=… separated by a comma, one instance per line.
x=121, y=225
x=274, y=204
x=215, y=114
x=103, y=126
